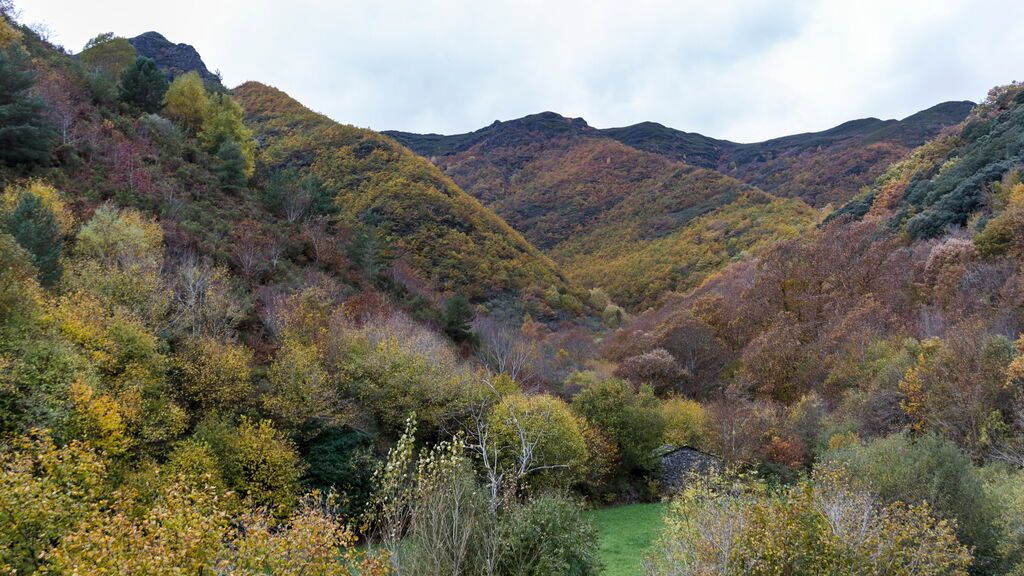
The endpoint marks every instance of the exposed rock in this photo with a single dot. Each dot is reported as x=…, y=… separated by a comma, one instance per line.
x=173, y=59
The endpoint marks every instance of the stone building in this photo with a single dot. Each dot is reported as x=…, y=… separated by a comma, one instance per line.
x=680, y=463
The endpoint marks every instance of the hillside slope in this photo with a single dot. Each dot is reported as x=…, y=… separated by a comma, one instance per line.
x=444, y=234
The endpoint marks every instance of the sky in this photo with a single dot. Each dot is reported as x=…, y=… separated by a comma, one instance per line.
x=744, y=70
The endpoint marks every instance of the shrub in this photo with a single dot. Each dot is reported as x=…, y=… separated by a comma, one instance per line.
x=548, y=536
x=928, y=469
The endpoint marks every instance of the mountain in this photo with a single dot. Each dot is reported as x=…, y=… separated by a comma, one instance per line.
x=966, y=174
x=589, y=200
x=172, y=59
x=444, y=234
x=818, y=167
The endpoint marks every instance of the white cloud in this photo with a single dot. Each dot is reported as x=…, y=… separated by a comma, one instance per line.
x=739, y=69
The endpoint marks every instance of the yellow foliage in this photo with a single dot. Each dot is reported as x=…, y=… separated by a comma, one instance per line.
x=685, y=422
x=50, y=198
x=99, y=419
x=8, y=33
x=187, y=102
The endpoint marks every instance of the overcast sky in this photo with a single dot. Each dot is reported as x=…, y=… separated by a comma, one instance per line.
x=745, y=70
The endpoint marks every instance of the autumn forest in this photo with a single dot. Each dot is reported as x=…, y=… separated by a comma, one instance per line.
x=238, y=336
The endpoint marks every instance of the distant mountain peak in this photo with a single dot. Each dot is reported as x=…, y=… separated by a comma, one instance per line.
x=173, y=59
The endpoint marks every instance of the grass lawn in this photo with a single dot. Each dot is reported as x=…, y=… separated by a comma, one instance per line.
x=626, y=532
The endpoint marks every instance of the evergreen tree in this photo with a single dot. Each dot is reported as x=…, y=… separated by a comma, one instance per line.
x=143, y=85
x=368, y=250
x=457, y=316
x=35, y=228
x=25, y=137
x=231, y=165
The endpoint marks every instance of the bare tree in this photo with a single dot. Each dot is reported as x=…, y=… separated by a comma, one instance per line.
x=203, y=301
x=504, y=348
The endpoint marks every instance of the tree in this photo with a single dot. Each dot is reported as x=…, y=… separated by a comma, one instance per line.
x=256, y=460
x=232, y=166
x=106, y=57
x=25, y=138
x=537, y=436
x=216, y=376
x=20, y=294
x=685, y=422
x=186, y=101
x=222, y=124
x=458, y=317
x=631, y=418
x=45, y=491
x=143, y=85
x=108, y=54
x=35, y=228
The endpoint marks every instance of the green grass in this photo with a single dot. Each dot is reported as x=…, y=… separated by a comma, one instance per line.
x=626, y=533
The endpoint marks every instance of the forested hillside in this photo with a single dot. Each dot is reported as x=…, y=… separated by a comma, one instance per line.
x=240, y=337
x=608, y=204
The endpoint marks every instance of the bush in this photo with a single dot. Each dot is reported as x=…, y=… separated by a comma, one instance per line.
x=548, y=536
x=723, y=528
x=928, y=469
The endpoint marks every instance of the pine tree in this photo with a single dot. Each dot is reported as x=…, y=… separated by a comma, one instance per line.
x=35, y=228
x=457, y=316
x=143, y=85
x=25, y=137
x=231, y=165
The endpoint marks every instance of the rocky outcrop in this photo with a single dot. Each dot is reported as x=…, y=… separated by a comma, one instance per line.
x=173, y=59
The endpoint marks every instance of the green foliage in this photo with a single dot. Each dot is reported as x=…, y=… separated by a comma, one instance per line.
x=25, y=136
x=222, y=125
x=369, y=252
x=232, y=165
x=257, y=461
x=457, y=318
x=45, y=490
x=395, y=372
x=342, y=460
x=108, y=54
x=35, y=228
x=216, y=376
x=632, y=419
x=928, y=469
x=686, y=422
x=20, y=295
x=548, y=536
x=296, y=196
x=559, y=450
x=143, y=85
x=118, y=259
